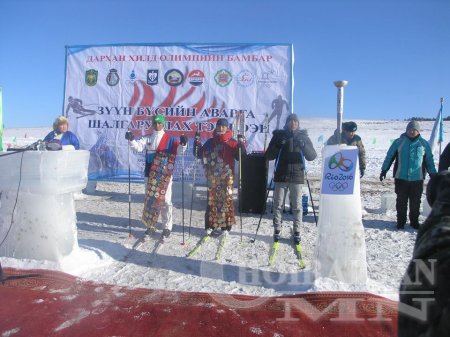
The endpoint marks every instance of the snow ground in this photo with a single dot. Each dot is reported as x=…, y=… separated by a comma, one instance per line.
x=106, y=252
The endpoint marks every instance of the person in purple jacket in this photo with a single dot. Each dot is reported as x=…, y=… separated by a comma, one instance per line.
x=62, y=135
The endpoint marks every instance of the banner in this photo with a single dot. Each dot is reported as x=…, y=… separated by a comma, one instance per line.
x=1, y=120
x=437, y=134
x=110, y=89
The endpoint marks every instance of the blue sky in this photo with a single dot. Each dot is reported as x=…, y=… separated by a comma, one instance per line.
x=395, y=54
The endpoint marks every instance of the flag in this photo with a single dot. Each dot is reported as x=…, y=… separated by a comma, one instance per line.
x=437, y=134
x=1, y=121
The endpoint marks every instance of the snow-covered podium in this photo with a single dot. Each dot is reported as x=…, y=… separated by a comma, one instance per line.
x=341, y=249
x=37, y=209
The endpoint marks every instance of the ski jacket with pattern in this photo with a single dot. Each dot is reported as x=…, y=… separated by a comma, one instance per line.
x=226, y=147
x=290, y=149
x=155, y=142
x=413, y=157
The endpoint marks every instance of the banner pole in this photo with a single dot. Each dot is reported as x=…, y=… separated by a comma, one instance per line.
x=1, y=121
x=441, y=126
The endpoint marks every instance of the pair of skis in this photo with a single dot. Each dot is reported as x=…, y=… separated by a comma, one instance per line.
x=140, y=241
x=298, y=253
x=206, y=238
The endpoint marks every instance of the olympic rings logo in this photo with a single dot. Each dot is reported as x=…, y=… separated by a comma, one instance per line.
x=338, y=161
x=338, y=186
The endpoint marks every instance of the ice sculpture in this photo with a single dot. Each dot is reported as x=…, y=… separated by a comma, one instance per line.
x=37, y=210
x=341, y=248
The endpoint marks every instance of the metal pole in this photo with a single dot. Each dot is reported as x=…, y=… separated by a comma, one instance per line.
x=182, y=194
x=129, y=193
x=440, y=124
x=340, y=106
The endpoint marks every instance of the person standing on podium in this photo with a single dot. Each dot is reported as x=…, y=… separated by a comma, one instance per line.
x=61, y=137
x=289, y=147
x=160, y=155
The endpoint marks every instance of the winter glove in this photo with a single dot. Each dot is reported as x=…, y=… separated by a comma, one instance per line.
x=129, y=136
x=281, y=140
x=362, y=173
x=183, y=140
x=241, y=139
x=383, y=175
x=301, y=143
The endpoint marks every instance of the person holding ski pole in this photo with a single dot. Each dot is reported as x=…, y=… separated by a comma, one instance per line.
x=160, y=155
x=288, y=145
x=218, y=155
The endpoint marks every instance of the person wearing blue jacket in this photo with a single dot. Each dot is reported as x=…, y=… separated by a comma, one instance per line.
x=413, y=158
x=62, y=135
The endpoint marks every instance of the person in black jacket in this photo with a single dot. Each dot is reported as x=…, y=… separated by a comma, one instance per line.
x=425, y=285
x=290, y=147
x=444, y=159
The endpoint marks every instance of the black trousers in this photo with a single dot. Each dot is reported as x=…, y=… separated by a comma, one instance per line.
x=408, y=191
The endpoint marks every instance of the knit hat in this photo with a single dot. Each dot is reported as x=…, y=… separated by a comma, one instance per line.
x=222, y=122
x=158, y=119
x=349, y=126
x=291, y=117
x=413, y=125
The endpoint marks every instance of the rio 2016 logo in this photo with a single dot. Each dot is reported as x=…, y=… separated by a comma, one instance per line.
x=339, y=161
x=342, y=172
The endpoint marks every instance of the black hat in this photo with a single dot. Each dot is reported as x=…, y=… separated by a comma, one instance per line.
x=291, y=117
x=222, y=122
x=349, y=126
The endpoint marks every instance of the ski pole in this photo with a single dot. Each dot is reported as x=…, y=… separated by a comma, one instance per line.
x=182, y=193
x=196, y=138
x=240, y=187
x=267, y=130
x=262, y=212
x=267, y=195
x=129, y=192
x=241, y=134
x=310, y=196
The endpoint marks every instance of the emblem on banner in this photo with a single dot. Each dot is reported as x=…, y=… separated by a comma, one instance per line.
x=152, y=76
x=132, y=76
x=196, y=77
x=174, y=77
x=267, y=79
x=112, y=78
x=223, y=77
x=91, y=77
x=245, y=78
